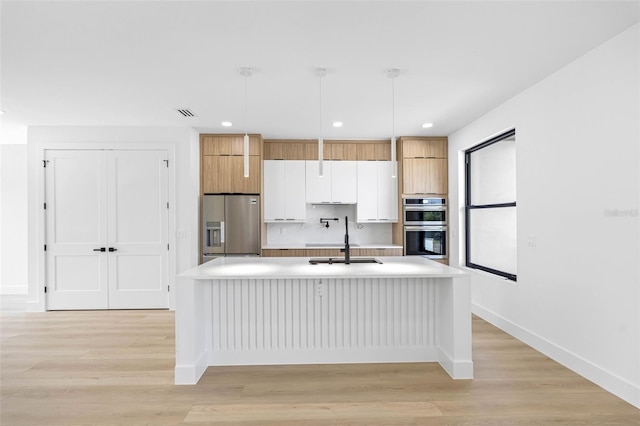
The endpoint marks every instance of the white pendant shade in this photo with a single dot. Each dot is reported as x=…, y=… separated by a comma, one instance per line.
x=320, y=72
x=246, y=72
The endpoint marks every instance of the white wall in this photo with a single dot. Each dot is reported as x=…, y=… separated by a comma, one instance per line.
x=577, y=298
x=182, y=144
x=13, y=223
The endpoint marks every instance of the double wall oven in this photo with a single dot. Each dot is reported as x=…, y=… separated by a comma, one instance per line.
x=425, y=227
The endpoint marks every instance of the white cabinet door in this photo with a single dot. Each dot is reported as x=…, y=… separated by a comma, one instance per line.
x=107, y=229
x=274, y=193
x=295, y=206
x=138, y=214
x=387, y=192
x=284, y=190
x=344, y=182
x=367, y=206
x=318, y=189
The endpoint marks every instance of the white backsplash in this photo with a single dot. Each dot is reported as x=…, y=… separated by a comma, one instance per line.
x=312, y=231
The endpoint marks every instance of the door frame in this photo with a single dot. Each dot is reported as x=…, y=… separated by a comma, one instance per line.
x=38, y=219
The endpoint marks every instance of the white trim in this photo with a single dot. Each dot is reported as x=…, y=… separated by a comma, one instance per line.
x=618, y=386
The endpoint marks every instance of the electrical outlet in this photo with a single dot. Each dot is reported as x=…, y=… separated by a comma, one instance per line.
x=181, y=233
x=532, y=240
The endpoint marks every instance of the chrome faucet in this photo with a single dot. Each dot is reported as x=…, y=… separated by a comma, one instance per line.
x=346, y=250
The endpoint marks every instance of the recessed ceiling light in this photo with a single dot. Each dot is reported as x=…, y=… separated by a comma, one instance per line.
x=226, y=124
x=337, y=124
x=427, y=125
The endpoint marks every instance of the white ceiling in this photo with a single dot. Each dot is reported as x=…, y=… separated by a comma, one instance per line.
x=126, y=63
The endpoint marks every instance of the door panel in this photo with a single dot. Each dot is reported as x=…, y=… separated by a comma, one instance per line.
x=138, y=217
x=76, y=225
x=111, y=200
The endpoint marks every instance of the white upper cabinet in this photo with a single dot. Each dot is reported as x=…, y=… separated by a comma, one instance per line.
x=337, y=185
x=344, y=188
x=284, y=191
x=377, y=194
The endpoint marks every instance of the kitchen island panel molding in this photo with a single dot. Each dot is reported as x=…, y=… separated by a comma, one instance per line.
x=256, y=319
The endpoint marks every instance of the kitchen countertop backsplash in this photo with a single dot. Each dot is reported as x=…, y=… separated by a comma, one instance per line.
x=312, y=231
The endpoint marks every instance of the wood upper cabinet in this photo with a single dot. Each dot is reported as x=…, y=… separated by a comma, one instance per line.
x=424, y=165
x=285, y=150
x=222, y=164
x=373, y=151
x=229, y=144
x=424, y=176
x=424, y=147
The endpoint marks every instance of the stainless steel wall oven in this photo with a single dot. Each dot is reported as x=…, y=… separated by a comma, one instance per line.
x=425, y=227
x=425, y=211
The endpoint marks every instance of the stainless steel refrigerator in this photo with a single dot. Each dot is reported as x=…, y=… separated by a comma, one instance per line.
x=230, y=226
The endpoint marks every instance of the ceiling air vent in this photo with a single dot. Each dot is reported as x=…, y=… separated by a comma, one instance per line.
x=186, y=112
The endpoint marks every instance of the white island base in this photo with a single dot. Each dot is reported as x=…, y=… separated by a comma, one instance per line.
x=258, y=311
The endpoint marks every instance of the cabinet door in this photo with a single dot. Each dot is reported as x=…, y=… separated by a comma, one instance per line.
x=295, y=206
x=238, y=184
x=274, y=193
x=424, y=176
x=436, y=148
x=437, y=175
x=387, y=203
x=318, y=189
x=215, y=176
x=344, y=187
x=367, y=207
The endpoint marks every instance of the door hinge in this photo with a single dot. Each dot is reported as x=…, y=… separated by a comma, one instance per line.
x=166, y=162
x=167, y=204
x=168, y=288
x=44, y=163
x=45, y=288
x=45, y=247
x=167, y=246
x=45, y=206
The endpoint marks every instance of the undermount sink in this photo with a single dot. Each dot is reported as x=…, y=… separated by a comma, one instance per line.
x=331, y=260
x=331, y=245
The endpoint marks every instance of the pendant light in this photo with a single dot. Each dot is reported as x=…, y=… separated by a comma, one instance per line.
x=320, y=72
x=392, y=73
x=246, y=72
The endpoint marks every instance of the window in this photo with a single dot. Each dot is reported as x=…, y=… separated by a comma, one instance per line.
x=490, y=206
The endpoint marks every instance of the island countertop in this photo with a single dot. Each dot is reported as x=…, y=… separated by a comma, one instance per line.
x=299, y=267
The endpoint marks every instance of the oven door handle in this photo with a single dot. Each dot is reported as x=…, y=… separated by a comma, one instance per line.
x=425, y=228
x=425, y=208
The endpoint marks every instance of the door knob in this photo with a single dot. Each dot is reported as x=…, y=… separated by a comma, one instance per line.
x=100, y=249
x=111, y=249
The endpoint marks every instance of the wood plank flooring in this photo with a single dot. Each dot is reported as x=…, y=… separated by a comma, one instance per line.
x=116, y=367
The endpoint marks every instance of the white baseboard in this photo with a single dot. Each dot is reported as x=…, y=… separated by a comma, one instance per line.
x=618, y=386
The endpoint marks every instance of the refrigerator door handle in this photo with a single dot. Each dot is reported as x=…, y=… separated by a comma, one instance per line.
x=222, y=232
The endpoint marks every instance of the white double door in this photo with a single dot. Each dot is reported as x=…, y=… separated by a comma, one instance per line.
x=107, y=229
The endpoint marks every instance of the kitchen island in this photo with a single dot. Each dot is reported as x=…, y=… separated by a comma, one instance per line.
x=252, y=311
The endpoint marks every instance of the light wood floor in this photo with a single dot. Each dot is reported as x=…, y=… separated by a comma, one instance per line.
x=116, y=367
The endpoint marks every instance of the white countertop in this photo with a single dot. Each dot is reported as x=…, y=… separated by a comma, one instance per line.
x=321, y=246
x=299, y=267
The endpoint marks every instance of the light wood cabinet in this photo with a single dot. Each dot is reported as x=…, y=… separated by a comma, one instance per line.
x=424, y=176
x=222, y=164
x=284, y=253
x=376, y=252
x=225, y=174
x=373, y=151
x=229, y=145
x=331, y=252
x=423, y=165
x=424, y=147
x=285, y=150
